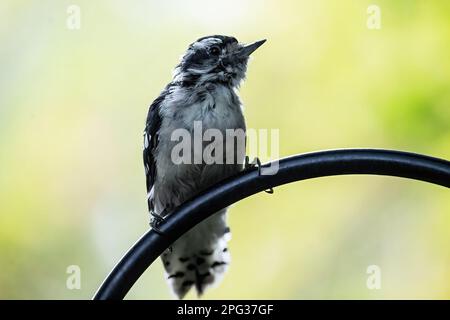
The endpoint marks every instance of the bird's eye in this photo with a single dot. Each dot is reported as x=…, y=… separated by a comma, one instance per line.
x=215, y=51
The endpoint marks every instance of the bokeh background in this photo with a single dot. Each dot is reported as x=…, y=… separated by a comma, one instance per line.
x=72, y=110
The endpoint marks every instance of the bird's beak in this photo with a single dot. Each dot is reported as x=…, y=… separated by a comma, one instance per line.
x=248, y=49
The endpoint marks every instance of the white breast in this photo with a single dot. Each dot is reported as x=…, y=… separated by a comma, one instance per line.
x=219, y=109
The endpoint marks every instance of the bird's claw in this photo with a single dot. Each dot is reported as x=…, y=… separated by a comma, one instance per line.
x=155, y=220
x=255, y=163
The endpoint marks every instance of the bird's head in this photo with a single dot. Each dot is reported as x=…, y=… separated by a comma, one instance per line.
x=216, y=58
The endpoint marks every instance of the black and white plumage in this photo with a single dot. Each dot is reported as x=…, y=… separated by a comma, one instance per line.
x=203, y=88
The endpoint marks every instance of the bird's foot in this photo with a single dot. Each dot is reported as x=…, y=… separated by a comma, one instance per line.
x=255, y=163
x=155, y=220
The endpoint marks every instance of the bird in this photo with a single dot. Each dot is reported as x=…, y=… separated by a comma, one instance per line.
x=203, y=90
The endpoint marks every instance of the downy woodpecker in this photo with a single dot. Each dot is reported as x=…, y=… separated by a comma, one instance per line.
x=203, y=90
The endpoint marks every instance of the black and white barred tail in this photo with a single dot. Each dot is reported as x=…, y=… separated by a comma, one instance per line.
x=200, y=258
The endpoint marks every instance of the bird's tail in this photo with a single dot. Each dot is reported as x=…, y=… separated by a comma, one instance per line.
x=195, y=261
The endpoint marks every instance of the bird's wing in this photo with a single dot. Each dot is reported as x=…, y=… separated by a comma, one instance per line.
x=150, y=143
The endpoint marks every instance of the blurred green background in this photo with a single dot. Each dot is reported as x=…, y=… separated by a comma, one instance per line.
x=72, y=110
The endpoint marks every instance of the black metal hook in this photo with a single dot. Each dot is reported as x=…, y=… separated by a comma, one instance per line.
x=249, y=182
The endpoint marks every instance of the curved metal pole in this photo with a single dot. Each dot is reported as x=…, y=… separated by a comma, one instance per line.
x=295, y=168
